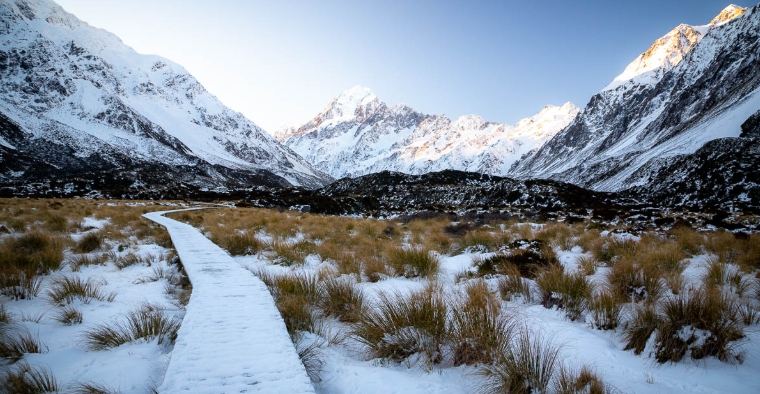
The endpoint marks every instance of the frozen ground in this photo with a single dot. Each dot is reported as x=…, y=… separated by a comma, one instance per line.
x=346, y=368
x=232, y=335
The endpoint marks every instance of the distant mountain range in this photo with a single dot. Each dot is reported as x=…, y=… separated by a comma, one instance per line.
x=357, y=134
x=80, y=111
x=675, y=127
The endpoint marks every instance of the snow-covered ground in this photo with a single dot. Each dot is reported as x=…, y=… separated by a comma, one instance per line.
x=347, y=369
x=231, y=332
x=135, y=367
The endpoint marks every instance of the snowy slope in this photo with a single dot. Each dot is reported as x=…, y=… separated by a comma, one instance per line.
x=79, y=88
x=358, y=134
x=694, y=85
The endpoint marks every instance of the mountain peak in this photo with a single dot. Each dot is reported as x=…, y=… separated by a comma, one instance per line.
x=350, y=103
x=664, y=54
x=728, y=13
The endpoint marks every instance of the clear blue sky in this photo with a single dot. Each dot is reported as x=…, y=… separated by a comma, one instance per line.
x=281, y=61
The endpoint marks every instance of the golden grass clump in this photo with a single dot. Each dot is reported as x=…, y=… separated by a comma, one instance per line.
x=413, y=262
x=291, y=252
x=569, y=380
x=568, y=291
x=523, y=365
x=400, y=326
x=699, y=323
x=634, y=280
x=34, y=253
x=476, y=329
x=605, y=308
x=89, y=243
x=688, y=239
x=613, y=248
x=65, y=289
x=512, y=283
x=16, y=340
x=24, y=378
x=146, y=322
x=559, y=235
x=342, y=299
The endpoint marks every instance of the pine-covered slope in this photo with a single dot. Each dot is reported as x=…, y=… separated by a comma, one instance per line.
x=77, y=102
x=358, y=134
x=695, y=85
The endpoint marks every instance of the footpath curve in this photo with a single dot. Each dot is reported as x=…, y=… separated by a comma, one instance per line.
x=232, y=339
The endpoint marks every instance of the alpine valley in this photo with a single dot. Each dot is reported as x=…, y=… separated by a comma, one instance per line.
x=83, y=114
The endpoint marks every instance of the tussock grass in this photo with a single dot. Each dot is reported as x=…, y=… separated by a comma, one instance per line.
x=440, y=242
x=483, y=239
x=512, y=283
x=78, y=261
x=614, y=248
x=56, y=222
x=20, y=285
x=558, y=235
x=524, y=365
x=346, y=263
x=587, y=265
x=476, y=329
x=590, y=240
x=5, y=317
x=295, y=296
x=24, y=378
x=701, y=323
x=568, y=291
x=528, y=261
x=310, y=356
x=146, y=322
x=288, y=253
x=342, y=299
x=89, y=242
x=400, y=326
x=640, y=327
x=127, y=260
x=716, y=274
x=749, y=313
x=92, y=388
x=16, y=340
x=69, y=315
x=65, y=289
x=688, y=239
x=569, y=380
x=238, y=244
x=631, y=279
x=414, y=262
x=34, y=253
x=605, y=308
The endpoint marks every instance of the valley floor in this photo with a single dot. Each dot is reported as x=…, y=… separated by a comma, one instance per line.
x=134, y=263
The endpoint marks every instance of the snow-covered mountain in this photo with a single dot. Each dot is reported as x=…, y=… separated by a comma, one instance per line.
x=358, y=134
x=694, y=85
x=75, y=101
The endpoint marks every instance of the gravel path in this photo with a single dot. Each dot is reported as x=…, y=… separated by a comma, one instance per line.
x=232, y=339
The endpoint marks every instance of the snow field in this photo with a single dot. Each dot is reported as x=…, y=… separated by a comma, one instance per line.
x=145, y=280
x=347, y=367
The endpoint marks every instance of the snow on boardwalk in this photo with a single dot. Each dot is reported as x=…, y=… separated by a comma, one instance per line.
x=232, y=339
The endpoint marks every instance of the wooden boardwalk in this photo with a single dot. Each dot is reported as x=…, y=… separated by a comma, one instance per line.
x=232, y=339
